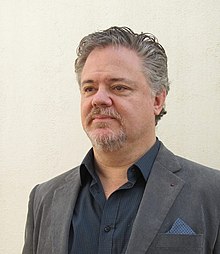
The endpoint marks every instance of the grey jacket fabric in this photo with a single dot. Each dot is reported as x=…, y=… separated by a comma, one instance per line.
x=176, y=188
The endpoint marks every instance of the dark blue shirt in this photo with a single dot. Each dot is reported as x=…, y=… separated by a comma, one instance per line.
x=103, y=226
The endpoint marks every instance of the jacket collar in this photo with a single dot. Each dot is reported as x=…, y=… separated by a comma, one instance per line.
x=64, y=200
x=162, y=189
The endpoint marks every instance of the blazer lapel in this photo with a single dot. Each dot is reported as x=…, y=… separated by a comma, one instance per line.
x=62, y=210
x=161, y=190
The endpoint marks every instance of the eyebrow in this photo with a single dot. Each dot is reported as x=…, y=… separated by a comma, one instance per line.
x=124, y=80
x=89, y=81
x=110, y=80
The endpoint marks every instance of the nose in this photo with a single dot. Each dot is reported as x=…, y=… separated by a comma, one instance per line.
x=101, y=98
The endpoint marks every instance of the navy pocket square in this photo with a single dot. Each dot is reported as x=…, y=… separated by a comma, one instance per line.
x=180, y=228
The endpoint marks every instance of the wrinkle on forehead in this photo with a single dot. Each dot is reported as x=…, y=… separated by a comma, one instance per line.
x=110, y=65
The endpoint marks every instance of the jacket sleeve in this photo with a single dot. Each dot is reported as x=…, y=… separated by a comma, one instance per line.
x=29, y=229
x=217, y=243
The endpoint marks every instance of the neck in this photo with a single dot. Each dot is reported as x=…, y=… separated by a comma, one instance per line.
x=121, y=159
x=112, y=167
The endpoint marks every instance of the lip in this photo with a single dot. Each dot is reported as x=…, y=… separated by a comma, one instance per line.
x=101, y=117
x=98, y=118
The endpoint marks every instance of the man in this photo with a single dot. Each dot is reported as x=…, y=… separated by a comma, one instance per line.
x=130, y=194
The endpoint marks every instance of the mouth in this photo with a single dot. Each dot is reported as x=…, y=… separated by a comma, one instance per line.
x=102, y=118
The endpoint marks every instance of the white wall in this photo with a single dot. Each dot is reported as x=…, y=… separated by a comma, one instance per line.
x=40, y=128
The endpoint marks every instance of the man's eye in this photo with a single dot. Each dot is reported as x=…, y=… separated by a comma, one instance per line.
x=88, y=89
x=120, y=88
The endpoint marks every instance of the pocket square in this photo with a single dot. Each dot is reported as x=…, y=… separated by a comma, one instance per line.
x=180, y=228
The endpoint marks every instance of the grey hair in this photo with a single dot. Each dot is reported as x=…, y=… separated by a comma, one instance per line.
x=146, y=46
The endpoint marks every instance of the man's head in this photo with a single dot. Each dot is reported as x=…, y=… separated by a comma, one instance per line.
x=123, y=83
x=146, y=46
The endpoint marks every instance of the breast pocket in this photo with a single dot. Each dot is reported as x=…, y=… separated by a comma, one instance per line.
x=178, y=244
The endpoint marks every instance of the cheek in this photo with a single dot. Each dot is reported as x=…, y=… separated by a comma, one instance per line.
x=85, y=106
x=84, y=111
x=139, y=112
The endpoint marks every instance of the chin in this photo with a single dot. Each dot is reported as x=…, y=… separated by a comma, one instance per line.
x=107, y=140
x=100, y=134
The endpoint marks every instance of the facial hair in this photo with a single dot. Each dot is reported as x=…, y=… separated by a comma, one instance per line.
x=111, y=141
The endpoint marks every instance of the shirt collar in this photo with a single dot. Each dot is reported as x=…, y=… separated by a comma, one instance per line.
x=144, y=164
x=87, y=167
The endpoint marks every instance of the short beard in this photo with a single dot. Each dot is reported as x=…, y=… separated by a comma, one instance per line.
x=107, y=142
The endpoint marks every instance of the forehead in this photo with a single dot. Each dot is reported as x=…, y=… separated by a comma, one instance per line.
x=112, y=61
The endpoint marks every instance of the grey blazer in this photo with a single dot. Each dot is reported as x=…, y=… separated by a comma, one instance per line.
x=176, y=188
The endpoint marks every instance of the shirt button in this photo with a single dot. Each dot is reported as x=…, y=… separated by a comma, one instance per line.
x=107, y=229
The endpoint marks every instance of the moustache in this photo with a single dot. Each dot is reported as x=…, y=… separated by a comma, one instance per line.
x=103, y=112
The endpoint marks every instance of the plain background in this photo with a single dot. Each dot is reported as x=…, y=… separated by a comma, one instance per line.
x=40, y=129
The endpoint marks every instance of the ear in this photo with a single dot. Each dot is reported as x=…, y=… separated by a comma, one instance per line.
x=159, y=101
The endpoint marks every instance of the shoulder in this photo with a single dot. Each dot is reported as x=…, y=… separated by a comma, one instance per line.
x=189, y=171
x=167, y=157
x=60, y=179
x=46, y=189
x=199, y=174
x=191, y=165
